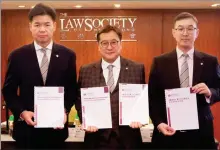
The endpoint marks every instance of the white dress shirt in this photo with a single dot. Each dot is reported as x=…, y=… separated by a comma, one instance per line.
x=116, y=69
x=41, y=54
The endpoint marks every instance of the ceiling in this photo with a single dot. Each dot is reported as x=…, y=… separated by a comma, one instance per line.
x=129, y=4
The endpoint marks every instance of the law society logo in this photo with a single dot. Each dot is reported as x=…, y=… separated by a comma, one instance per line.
x=85, y=28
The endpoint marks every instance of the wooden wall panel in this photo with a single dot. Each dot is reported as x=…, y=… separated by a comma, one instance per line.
x=153, y=29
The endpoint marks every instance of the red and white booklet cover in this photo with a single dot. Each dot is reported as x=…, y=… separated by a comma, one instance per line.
x=96, y=107
x=181, y=106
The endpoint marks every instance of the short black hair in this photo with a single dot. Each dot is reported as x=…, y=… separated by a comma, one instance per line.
x=107, y=29
x=185, y=15
x=41, y=9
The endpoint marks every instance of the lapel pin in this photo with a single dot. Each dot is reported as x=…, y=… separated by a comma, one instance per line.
x=57, y=56
x=201, y=63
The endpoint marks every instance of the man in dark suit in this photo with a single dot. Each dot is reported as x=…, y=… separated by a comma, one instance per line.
x=167, y=73
x=96, y=75
x=42, y=63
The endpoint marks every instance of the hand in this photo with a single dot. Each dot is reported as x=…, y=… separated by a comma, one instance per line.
x=165, y=129
x=64, y=121
x=135, y=125
x=91, y=129
x=27, y=116
x=202, y=88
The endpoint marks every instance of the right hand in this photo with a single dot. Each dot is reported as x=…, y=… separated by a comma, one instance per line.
x=27, y=116
x=166, y=130
x=91, y=129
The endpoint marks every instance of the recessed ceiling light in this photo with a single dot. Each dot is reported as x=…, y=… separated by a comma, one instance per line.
x=21, y=6
x=215, y=5
x=117, y=5
x=78, y=6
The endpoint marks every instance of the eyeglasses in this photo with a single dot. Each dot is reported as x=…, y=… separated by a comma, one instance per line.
x=113, y=43
x=189, y=30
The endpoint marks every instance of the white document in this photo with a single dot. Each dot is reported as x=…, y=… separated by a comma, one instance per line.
x=133, y=104
x=96, y=107
x=181, y=106
x=49, y=107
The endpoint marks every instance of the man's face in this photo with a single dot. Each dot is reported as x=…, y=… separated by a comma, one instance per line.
x=185, y=32
x=109, y=46
x=42, y=28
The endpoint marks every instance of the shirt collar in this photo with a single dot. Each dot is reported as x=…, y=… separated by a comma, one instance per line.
x=190, y=53
x=116, y=63
x=38, y=47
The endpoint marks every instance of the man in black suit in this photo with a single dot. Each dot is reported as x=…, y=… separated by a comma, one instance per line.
x=25, y=66
x=202, y=77
x=96, y=75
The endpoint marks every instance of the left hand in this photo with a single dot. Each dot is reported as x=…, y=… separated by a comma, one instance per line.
x=64, y=121
x=135, y=125
x=202, y=88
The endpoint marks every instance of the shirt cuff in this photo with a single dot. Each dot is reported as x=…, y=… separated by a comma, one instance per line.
x=21, y=119
x=208, y=99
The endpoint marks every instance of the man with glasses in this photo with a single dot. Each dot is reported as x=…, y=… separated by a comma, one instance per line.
x=199, y=73
x=96, y=75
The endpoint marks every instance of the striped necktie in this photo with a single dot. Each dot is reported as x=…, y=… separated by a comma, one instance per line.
x=184, y=74
x=110, y=81
x=44, y=65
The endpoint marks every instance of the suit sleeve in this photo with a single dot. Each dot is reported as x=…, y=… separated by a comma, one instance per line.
x=78, y=100
x=10, y=87
x=71, y=84
x=215, y=90
x=143, y=81
x=156, y=100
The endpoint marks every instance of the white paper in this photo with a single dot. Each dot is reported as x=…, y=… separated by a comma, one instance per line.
x=96, y=107
x=133, y=104
x=181, y=106
x=49, y=107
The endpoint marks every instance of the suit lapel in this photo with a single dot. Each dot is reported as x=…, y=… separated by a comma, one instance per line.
x=174, y=71
x=54, y=62
x=197, y=67
x=98, y=77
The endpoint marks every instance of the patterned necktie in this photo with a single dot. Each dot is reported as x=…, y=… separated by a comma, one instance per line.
x=184, y=74
x=110, y=81
x=44, y=65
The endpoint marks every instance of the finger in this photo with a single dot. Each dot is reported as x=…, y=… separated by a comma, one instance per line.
x=65, y=118
x=195, y=87
x=136, y=125
x=131, y=124
x=139, y=125
x=168, y=128
x=92, y=129
x=203, y=91
x=95, y=129
x=198, y=90
x=88, y=129
x=30, y=122
x=169, y=133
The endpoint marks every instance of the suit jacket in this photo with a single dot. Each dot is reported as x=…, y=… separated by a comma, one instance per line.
x=92, y=76
x=165, y=75
x=24, y=73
